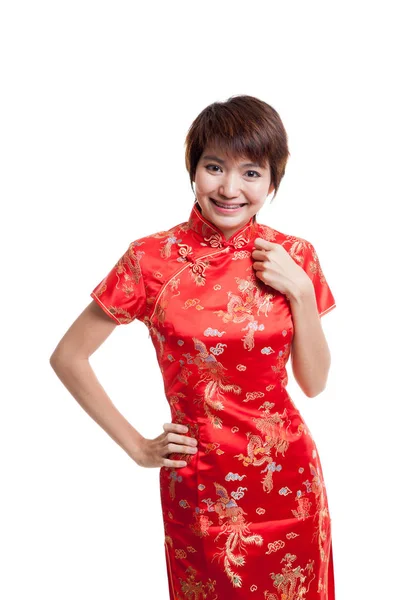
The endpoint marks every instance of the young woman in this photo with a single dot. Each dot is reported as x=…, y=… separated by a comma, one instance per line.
x=226, y=300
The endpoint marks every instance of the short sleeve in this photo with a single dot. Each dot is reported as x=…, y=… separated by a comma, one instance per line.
x=121, y=294
x=312, y=266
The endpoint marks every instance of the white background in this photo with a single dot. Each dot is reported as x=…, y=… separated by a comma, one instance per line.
x=96, y=101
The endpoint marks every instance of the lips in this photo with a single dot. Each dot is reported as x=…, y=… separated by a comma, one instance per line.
x=225, y=205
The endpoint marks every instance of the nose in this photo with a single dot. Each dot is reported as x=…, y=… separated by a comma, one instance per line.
x=230, y=186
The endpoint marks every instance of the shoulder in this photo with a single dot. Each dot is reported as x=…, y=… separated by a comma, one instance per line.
x=156, y=240
x=152, y=251
x=297, y=247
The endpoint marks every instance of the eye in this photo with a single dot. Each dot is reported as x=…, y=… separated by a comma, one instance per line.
x=217, y=166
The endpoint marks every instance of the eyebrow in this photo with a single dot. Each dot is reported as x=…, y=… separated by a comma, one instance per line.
x=222, y=162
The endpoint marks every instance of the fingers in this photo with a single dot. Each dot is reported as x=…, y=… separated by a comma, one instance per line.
x=260, y=254
x=179, y=448
x=176, y=443
x=175, y=427
x=167, y=462
x=259, y=266
x=171, y=436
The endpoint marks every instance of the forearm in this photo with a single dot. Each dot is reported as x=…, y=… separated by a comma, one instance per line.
x=80, y=380
x=310, y=352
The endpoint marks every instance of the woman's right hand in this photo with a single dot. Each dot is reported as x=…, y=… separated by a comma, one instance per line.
x=154, y=452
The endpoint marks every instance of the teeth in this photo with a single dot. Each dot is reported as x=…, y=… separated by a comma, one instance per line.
x=230, y=206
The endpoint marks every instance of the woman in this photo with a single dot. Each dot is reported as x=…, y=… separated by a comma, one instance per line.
x=226, y=300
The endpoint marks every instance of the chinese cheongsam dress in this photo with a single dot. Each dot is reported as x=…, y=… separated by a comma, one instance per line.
x=247, y=517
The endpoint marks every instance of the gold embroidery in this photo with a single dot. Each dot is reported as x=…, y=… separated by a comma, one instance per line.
x=290, y=583
x=190, y=302
x=253, y=396
x=303, y=508
x=211, y=371
x=198, y=271
x=237, y=530
x=185, y=250
x=259, y=447
x=275, y=546
x=242, y=308
x=201, y=525
x=196, y=590
x=241, y=254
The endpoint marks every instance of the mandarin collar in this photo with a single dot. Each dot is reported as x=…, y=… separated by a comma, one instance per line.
x=211, y=235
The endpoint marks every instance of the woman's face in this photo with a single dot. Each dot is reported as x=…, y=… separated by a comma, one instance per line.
x=231, y=182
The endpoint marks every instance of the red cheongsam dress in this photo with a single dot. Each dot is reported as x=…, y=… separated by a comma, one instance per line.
x=247, y=517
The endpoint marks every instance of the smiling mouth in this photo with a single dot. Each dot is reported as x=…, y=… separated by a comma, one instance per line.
x=229, y=206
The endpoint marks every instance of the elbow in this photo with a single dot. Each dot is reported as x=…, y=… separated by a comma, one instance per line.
x=314, y=384
x=312, y=393
x=310, y=388
x=315, y=390
x=54, y=361
x=56, y=356
x=63, y=358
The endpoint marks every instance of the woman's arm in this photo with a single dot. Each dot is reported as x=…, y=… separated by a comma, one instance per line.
x=70, y=361
x=310, y=353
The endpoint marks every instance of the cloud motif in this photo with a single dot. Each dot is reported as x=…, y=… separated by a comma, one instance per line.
x=234, y=476
x=189, y=358
x=218, y=349
x=267, y=350
x=274, y=467
x=275, y=546
x=238, y=495
x=210, y=332
x=253, y=395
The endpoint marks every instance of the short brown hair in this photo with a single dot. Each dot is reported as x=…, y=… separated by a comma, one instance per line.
x=240, y=126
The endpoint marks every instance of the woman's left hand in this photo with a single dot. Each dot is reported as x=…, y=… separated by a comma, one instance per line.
x=276, y=268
